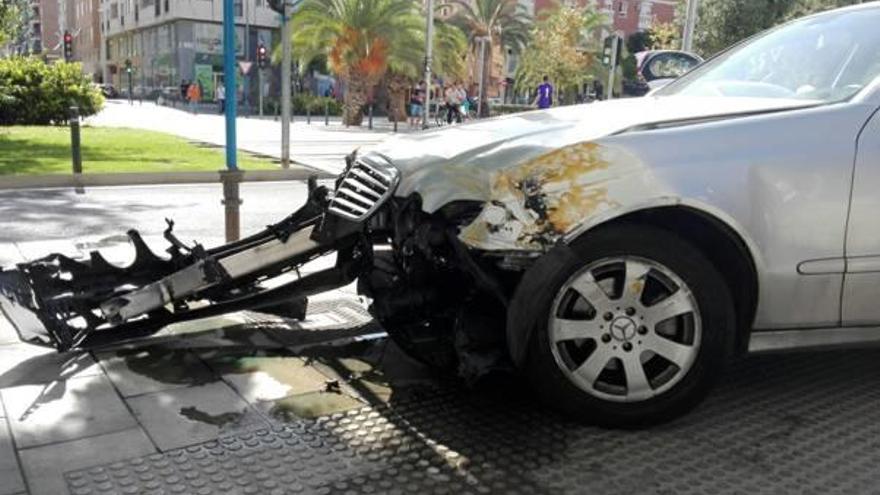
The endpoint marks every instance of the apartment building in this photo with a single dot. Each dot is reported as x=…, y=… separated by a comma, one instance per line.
x=83, y=19
x=168, y=41
x=627, y=16
x=45, y=28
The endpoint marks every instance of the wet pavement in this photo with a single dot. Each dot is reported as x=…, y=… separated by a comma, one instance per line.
x=330, y=406
x=252, y=403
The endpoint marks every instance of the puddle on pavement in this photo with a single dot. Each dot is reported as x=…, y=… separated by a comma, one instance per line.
x=176, y=367
x=312, y=405
x=329, y=378
x=218, y=420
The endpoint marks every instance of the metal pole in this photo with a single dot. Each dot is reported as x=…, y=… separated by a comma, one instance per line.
x=429, y=45
x=260, y=82
x=285, y=87
x=75, y=149
x=609, y=92
x=326, y=112
x=482, y=75
x=247, y=56
x=371, y=116
x=687, y=39
x=231, y=177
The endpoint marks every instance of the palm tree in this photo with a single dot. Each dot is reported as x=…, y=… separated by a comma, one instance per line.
x=406, y=66
x=360, y=38
x=503, y=23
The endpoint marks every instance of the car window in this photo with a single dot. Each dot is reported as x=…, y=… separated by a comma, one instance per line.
x=669, y=66
x=823, y=58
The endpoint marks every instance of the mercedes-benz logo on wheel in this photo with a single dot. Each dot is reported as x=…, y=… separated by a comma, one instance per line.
x=623, y=329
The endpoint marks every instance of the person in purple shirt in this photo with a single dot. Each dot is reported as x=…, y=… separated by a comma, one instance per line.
x=544, y=98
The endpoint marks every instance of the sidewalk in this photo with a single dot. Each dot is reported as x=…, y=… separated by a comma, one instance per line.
x=316, y=145
x=201, y=380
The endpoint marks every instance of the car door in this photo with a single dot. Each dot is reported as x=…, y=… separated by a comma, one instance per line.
x=861, y=294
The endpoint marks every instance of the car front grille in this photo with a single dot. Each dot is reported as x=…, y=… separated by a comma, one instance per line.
x=366, y=185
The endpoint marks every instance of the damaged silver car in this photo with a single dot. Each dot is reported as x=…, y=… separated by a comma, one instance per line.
x=617, y=254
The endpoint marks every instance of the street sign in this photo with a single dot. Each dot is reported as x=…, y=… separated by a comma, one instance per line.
x=245, y=66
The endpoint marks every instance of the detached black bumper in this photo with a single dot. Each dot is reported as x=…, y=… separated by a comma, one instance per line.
x=68, y=303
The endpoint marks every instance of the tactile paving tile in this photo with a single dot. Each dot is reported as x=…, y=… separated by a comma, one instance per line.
x=804, y=423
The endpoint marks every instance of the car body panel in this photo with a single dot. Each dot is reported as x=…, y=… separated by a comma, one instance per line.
x=778, y=174
x=862, y=280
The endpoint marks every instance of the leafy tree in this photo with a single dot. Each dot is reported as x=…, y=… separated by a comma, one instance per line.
x=406, y=67
x=722, y=23
x=12, y=19
x=665, y=36
x=505, y=22
x=564, y=48
x=361, y=40
x=638, y=41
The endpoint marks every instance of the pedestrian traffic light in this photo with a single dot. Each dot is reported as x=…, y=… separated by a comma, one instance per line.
x=612, y=43
x=262, y=56
x=128, y=67
x=68, y=46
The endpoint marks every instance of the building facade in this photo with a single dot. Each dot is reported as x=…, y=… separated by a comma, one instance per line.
x=83, y=19
x=170, y=41
x=627, y=16
x=48, y=28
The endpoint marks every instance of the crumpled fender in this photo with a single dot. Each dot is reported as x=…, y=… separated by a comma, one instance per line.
x=534, y=291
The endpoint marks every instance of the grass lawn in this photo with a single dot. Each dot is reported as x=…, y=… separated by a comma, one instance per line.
x=46, y=150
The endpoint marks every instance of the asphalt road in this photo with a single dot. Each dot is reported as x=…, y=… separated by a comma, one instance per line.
x=316, y=145
x=28, y=216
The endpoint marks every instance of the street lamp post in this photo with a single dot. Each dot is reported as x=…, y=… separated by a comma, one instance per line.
x=285, y=85
x=687, y=39
x=429, y=45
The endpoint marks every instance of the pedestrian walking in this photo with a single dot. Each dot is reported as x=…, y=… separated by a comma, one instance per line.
x=544, y=98
x=194, y=95
x=453, y=103
x=220, y=95
x=416, y=104
x=463, y=100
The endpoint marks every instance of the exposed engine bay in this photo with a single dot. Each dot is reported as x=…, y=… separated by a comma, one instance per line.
x=441, y=301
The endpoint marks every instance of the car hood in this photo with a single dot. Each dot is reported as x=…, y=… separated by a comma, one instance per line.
x=456, y=163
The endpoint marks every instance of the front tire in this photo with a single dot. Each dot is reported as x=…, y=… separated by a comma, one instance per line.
x=634, y=330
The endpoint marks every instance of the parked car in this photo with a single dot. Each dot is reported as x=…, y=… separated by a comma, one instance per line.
x=616, y=254
x=657, y=68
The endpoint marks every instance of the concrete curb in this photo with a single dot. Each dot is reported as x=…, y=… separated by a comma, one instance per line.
x=137, y=179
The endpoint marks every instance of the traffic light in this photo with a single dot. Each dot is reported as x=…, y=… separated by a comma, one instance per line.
x=128, y=68
x=262, y=56
x=608, y=56
x=68, y=46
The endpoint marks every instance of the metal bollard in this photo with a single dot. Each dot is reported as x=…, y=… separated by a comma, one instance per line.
x=326, y=112
x=371, y=117
x=232, y=201
x=309, y=114
x=75, y=148
x=395, y=123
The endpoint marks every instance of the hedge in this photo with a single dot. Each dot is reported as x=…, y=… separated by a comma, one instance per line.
x=33, y=92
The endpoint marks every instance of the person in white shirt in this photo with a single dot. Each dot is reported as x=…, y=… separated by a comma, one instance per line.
x=220, y=96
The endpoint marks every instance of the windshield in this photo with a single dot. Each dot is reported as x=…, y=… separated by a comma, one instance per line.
x=826, y=58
